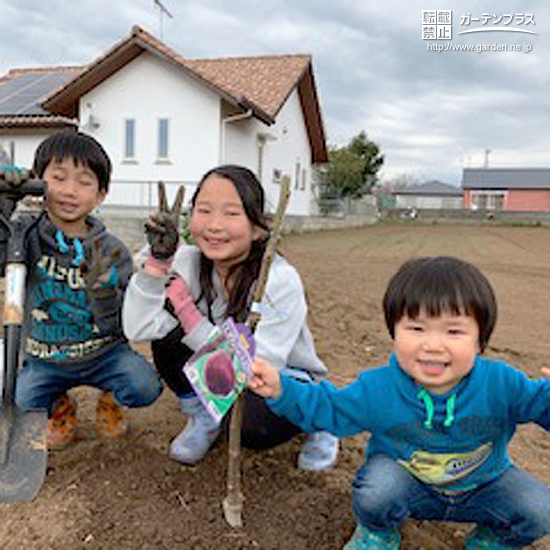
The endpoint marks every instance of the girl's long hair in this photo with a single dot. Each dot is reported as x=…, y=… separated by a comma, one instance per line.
x=244, y=274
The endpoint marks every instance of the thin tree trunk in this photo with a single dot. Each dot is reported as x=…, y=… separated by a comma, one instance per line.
x=233, y=502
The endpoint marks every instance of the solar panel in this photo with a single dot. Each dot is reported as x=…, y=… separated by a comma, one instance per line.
x=22, y=94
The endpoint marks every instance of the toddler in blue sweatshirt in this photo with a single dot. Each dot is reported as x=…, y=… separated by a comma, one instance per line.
x=440, y=415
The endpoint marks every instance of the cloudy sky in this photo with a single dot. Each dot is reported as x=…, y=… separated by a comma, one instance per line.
x=430, y=112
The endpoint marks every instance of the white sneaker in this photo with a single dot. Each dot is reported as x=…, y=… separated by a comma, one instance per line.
x=319, y=452
x=200, y=432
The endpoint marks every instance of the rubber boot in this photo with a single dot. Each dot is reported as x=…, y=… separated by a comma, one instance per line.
x=319, y=452
x=200, y=432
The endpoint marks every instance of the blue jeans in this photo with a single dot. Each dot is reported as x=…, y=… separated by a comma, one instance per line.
x=132, y=379
x=515, y=506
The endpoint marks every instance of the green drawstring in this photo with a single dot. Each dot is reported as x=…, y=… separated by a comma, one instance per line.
x=64, y=248
x=450, y=411
x=429, y=405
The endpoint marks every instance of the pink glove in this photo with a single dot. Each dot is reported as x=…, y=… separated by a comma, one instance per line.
x=184, y=306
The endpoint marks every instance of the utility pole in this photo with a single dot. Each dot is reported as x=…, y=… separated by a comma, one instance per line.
x=162, y=12
x=486, y=162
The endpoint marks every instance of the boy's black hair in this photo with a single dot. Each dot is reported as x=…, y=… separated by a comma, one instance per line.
x=243, y=275
x=441, y=284
x=82, y=148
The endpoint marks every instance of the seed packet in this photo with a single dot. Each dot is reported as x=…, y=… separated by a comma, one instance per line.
x=219, y=371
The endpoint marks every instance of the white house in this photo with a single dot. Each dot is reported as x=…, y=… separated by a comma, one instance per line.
x=163, y=117
x=430, y=195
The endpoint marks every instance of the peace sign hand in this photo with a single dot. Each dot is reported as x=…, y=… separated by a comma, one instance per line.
x=162, y=227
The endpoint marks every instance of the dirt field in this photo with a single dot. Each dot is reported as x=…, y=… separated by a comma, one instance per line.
x=127, y=494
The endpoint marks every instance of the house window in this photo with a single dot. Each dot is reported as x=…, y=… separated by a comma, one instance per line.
x=129, y=138
x=304, y=179
x=488, y=200
x=297, y=174
x=162, y=151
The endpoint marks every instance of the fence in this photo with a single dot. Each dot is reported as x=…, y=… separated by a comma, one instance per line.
x=432, y=214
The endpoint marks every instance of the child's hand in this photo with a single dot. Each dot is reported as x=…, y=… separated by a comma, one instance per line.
x=100, y=270
x=545, y=371
x=266, y=380
x=11, y=177
x=162, y=227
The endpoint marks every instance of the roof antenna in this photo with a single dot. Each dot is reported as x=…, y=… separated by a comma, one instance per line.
x=162, y=11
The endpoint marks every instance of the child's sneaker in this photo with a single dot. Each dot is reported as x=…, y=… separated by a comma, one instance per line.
x=364, y=538
x=319, y=452
x=482, y=538
x=61, y=428
x=111, y=418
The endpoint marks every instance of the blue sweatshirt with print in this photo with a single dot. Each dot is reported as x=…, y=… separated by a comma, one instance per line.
x=453, y=441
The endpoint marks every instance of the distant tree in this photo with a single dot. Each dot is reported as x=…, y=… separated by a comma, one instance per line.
x=352, y=169
x=384, y=190
x=369, y=153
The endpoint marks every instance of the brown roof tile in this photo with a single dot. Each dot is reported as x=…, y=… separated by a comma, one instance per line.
x=265, y=81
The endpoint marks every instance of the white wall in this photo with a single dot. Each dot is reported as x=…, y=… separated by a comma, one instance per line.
x=437, y=203
x=284, y=144
x=290, y=148
x=26, y=142
x=146, y=90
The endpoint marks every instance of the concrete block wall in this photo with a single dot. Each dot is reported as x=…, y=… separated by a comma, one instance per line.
x=128, y=224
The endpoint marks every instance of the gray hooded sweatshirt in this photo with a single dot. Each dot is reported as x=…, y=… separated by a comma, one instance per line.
x=63, y=323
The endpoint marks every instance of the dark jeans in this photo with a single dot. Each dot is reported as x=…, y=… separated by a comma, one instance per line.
x=515, y=506
x=261, y=428
x=121, y=370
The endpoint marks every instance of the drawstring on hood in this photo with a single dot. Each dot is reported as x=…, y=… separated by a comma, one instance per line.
x=449, y=411
x=425, y=396
x=64, y=248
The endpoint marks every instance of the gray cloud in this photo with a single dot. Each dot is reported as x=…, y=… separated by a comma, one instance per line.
x=431, y=112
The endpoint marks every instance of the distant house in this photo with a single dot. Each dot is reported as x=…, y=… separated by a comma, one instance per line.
x=509, y=189
x=163, y=117
x=430, y=195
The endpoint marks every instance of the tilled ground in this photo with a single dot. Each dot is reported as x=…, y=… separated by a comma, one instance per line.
x=127, y=494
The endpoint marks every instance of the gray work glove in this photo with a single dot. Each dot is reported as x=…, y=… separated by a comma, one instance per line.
x=11, y=177
x=100, y=270
x=162, y=227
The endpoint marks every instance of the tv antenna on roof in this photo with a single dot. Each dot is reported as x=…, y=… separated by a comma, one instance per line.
x=162, y=12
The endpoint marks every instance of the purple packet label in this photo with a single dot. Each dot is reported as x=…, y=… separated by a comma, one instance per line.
x=219, y=371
